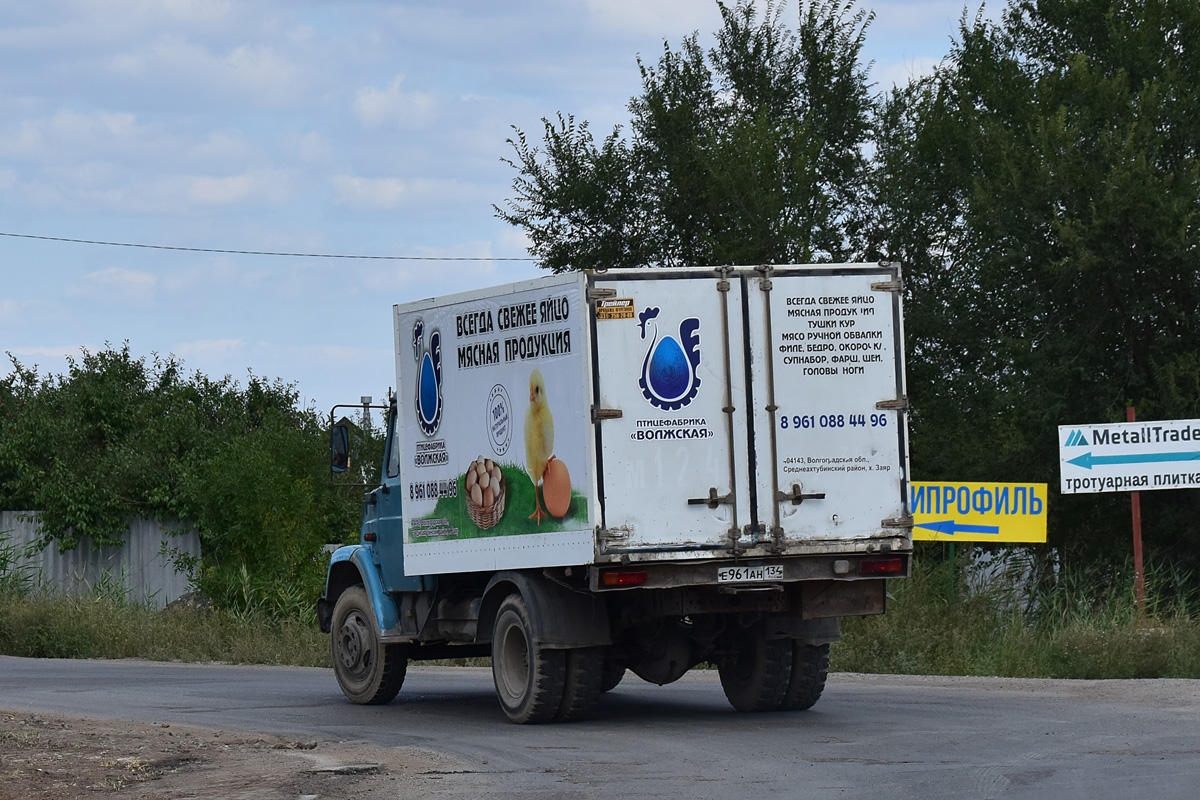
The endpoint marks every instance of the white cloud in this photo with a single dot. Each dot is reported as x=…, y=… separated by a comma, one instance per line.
x=221, y=146
x=87, y=23
x=341, y=355
x=269, y=187
x=415, y=279
x=375, y=107
x=640, y=16
x=214, y=275
x=44, y=351
x=369, y=192
x=48, y=136
x=10, y=311
x=259, y=72
x=514, y=242
x=116, y=286
x=312, y=148
x=208, y=348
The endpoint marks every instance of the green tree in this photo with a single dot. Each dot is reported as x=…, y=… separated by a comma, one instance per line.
x=750, y=153
x=1042, y=189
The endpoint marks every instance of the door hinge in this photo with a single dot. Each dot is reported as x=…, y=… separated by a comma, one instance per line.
x=617, y=535
x=899, y=404
x=600, y=293
x=887, y=286
x=902, y=522
x=600, y=414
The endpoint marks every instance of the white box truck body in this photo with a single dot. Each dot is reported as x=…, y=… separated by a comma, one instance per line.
x=640, y=469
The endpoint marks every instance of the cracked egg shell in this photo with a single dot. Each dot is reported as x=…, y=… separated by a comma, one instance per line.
x=556, y=488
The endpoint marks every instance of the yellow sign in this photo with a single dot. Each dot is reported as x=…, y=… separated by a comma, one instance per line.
x=945, y=511
x=619, y=308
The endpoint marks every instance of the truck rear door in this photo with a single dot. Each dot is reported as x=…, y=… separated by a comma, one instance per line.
x=828, y=402
x=672, y=422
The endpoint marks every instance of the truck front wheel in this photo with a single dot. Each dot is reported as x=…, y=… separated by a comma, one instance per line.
x=369, y=672
x=529, y=678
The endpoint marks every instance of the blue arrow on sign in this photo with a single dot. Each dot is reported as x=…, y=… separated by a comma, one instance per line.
x=1087, y=460
x=949, y=527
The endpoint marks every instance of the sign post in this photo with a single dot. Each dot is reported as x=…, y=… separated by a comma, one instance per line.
x=1135, y=501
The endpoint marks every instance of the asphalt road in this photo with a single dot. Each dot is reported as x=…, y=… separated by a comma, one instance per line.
x=892, y=737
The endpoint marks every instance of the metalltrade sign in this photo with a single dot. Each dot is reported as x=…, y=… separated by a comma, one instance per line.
x=946, y=511
x=1129, y=456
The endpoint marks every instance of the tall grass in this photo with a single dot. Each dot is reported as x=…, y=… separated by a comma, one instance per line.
x=40, y=625
x=1063, y=623
x=16, y=577
x=945, y=620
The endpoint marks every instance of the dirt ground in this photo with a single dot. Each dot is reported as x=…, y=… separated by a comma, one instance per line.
x=57, y=758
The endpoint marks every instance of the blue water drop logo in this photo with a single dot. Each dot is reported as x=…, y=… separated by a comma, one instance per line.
x=669, y=378
x=429, y=379
x=429, y=390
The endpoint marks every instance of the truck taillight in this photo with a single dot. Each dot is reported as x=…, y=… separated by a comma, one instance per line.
x=622, y=577
x=881, y=566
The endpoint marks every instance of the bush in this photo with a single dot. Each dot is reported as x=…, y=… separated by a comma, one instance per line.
x=117, y=437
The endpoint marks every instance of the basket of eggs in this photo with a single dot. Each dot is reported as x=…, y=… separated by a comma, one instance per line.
x=484, y=483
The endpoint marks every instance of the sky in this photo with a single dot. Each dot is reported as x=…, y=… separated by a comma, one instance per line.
x=361, y=127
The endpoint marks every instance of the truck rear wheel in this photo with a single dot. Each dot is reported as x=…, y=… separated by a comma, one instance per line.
x=529, y=678
x=369, y=672
x=755, y=675
x=583, y=683
x=810, y=667
x=611, y=675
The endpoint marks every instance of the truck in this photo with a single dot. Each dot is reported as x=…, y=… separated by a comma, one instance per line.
x=595, y=473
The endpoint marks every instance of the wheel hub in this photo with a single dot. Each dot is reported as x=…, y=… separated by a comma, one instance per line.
x=514, y=651
x=351, y=649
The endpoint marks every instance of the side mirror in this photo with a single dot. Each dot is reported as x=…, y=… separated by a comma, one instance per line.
x=339, y=448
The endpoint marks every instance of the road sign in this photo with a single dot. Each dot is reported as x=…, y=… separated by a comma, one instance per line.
x=948, y=511
x=1129, y=456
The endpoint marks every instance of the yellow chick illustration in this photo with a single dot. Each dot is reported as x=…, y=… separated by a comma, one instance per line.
x=539, y=437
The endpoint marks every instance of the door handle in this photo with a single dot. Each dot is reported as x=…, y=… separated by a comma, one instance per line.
x=796, y=496
x=713, y=500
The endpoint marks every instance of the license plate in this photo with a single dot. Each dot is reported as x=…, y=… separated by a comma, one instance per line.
x=766, y=572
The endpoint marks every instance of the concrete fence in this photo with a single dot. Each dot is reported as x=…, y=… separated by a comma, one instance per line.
x=143, y=569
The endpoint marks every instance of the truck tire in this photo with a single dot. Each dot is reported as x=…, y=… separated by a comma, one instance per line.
x=582, y=686
x=529, y=678
x=369, y=672
x=755, y=675
x=810, y=667
x=611, y=675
